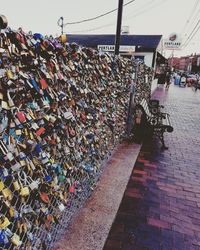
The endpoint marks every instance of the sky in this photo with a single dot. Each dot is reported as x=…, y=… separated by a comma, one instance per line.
x=144, y=17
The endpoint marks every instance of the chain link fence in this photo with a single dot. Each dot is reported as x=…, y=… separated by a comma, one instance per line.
x=63, y=109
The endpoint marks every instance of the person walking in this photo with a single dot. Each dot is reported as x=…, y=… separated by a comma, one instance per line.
x=167, y=80
x=197, y=84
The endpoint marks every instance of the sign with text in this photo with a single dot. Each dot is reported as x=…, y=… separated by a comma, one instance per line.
x=111, y=48
x=173, y=42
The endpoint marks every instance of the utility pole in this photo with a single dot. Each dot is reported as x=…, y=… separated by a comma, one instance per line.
x=130, y=122
x=118, y=31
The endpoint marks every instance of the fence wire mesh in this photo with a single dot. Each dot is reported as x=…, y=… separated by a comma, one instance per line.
x=63, y=109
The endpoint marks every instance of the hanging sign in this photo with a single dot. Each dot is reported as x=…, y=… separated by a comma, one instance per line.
x=173, y=42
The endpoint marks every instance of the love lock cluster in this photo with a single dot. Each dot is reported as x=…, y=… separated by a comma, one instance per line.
x=63, y=108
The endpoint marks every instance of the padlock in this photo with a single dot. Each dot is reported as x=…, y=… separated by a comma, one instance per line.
x=16, y=166
x=31, y=164
x=61, y=178
x=4, y=222
x=15, y=239
x=22, y=162
x=33, y=184
x=61, y=207
x=21, y=116
x=44, y=197
x=7, y=194
x=9, y=74
x=40, y=131
x=16, y=185
x=3, y=238
x=24, y=191
x=1, y=186
x=43, y=83
x=18, y=132
x=47, y=177
x=68, y=115
x=12, y=212
x=63, y=38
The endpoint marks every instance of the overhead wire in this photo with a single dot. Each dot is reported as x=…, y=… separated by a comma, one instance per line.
x=190, y=16
x=192, y=35
x=186, y=44
x=114, y=23
x=194, y=20
x=146, y=10
x=99, y=16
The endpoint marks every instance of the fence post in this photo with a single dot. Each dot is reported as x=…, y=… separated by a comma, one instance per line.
x=129, y=123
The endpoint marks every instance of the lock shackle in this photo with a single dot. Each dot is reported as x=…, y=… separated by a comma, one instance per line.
x=27, y=180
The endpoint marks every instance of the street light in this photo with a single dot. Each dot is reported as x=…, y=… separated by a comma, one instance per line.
x=61, y=23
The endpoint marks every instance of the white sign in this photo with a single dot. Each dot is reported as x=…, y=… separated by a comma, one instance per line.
x=109, y=48
x=173, y=42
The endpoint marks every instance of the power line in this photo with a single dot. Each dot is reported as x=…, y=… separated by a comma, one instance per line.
x=194, y=19
x=141, y=7
x=99, y=16
x=190, y=16
x=113, y=23
x=191, y=33
x=192, y=36
x=147, y=9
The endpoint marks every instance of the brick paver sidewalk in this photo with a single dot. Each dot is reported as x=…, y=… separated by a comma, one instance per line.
x=160, y=209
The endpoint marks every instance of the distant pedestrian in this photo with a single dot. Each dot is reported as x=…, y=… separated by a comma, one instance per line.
x=197, y=84
x=182, y=82
x=168, y=80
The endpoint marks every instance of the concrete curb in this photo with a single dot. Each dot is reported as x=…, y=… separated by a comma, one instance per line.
x=91, y=227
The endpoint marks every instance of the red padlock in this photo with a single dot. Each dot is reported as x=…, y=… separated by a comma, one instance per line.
x=21, y=116
x=40, y=131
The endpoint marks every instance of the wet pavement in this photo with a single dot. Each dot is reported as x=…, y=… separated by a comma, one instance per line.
x=160, y=209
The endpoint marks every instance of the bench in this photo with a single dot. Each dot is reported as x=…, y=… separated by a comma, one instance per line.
x=153, y=120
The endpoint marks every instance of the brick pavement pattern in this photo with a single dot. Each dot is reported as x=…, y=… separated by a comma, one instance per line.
x=160, y=209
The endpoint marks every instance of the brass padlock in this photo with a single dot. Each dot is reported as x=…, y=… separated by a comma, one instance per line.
x=15, y=239
x=7, y=194
x=24, y=192
x=4, y=222
x=1, y=186
x=16, y=185
x=9, y=74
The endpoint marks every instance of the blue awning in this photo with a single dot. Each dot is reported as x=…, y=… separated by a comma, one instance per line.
x=145, y=41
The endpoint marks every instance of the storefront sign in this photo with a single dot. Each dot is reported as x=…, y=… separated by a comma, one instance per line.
x=111, y=48
x=173, y=42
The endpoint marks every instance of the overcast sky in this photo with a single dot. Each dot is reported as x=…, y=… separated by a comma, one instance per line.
x=142, y=16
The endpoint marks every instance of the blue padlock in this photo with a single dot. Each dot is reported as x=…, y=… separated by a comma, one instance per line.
x=47, y=177
x=38, y=36
x=59, y=169
x=3, y=238
x=37, y=149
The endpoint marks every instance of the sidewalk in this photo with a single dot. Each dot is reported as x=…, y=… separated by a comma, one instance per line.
x=160, y=209
x=89, y=230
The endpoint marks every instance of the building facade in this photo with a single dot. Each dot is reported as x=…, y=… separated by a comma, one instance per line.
x=142, y=47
